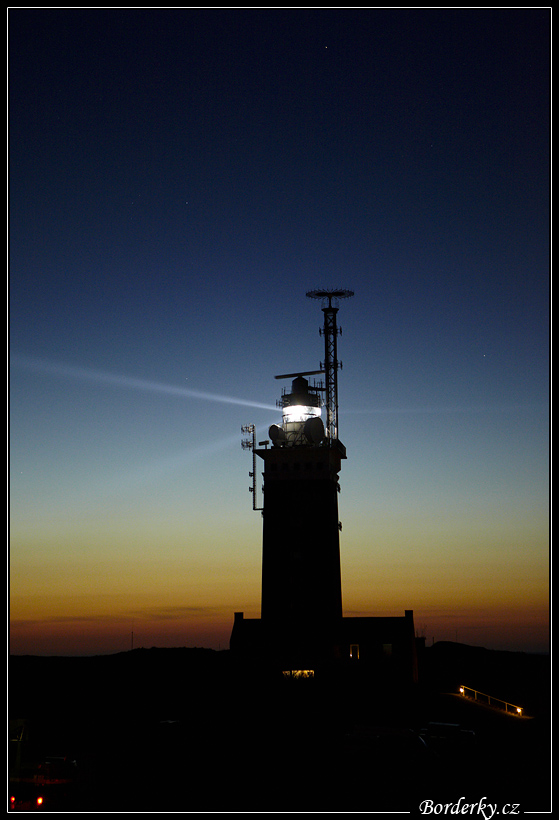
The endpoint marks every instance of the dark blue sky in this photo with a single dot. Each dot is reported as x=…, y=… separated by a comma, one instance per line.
x=180, y=178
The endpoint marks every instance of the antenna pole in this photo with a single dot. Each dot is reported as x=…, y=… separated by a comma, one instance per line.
x=250, y=444
x=331, y=364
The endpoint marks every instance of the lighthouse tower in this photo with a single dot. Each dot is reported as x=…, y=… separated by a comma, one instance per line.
x=301, y=580
x=301, y=612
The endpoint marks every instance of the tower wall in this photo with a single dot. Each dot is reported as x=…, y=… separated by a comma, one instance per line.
x=301, y=577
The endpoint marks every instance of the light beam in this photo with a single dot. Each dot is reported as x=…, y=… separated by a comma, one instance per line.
x=87, y=374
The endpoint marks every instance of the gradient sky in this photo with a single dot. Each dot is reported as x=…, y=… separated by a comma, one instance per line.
x=178, y=180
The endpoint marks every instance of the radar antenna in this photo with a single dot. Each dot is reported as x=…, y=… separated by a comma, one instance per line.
x=330, y=301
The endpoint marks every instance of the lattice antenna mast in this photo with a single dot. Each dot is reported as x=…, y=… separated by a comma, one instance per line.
x=330, y=300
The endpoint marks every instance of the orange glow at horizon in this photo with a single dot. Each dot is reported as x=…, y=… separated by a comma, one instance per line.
x=83, y=594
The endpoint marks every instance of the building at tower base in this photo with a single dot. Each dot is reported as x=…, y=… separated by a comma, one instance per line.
x=382, y=648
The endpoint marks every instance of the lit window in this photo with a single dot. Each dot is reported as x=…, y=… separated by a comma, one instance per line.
x=298, y=673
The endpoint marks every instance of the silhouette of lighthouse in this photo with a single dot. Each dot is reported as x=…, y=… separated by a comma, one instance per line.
x=301, y=612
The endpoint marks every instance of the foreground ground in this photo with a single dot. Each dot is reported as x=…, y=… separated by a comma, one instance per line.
x=191, y=731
